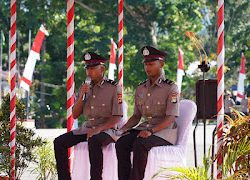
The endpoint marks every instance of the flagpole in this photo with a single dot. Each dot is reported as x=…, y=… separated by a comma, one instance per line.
x=242, y=76
x=12, y=60
x=220, y=84
x=120, y=50
x=28, y=92
x=180, y=69
x=34, y=55
x=9, y=61
x=18, y=57
x=70, y=72
x=112, y=61
x=1, y=63
x=29, y=40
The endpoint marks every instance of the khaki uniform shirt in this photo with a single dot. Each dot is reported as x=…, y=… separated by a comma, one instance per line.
x=100, y=104
x=228, y=104
x=154, y=102
x=244, y=105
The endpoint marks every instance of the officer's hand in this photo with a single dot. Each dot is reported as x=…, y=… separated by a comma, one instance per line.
x=122, y=132
x=84, y=89
x=93, y=132
x=144, y=134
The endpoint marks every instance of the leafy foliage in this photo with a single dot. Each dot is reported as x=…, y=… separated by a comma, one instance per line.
x=161, y=23
x=236, y=147
x=190, y=173
x=46, y=164
x=237, y=39
x=235, y=150
x=26, y=142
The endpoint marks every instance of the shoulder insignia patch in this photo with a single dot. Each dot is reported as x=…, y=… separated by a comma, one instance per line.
x=143, y=82
x=167, y=81
x=174, y=97
x=111, y=82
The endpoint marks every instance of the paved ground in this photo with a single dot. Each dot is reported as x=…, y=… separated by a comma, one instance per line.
x=52, y=133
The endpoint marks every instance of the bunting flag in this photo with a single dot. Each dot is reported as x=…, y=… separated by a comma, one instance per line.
x=112, y=61
x=34, y=55
x=242, y=77
x=180, y=70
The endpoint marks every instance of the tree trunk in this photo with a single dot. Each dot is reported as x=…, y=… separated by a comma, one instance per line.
x=153, y=32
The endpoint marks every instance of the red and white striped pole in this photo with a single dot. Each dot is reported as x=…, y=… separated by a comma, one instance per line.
x=220, y=83
x=120, y=46
x=70, y=70
x=12, y=88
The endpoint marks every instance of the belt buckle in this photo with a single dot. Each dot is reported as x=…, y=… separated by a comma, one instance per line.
x=149, y=118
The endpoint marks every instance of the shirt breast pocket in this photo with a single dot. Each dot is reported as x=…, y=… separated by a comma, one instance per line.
x=159, y=107
x=139, y=103
x=103, y=110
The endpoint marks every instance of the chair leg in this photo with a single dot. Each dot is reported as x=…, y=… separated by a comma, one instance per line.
x=194, y=140
x=212, y=166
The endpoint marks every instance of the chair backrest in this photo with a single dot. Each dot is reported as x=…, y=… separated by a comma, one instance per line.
x=124, y=119
x=188, y=110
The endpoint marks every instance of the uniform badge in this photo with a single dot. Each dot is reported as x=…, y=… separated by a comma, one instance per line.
x=87, y=56
x=140, y=96
x=174, y=98
x=145, y=52
x=102, y=82
x=119, y=98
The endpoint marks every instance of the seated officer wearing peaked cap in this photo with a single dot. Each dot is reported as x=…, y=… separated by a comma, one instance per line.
x=153, y=122
x=99, y=103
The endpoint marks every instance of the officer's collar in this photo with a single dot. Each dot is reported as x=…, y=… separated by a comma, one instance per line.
x=101, y=82
x=158, y=82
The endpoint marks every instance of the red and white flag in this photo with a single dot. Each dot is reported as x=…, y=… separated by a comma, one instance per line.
x=34, y=55
x=112, y=60
x=242, y=77
x=180, y=70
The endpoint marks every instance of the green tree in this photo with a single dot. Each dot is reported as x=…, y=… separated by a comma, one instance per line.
x=237, y=38
x=26, y=142
x=159, y=23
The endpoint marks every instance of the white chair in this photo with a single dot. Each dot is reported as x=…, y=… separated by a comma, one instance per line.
x=164, y=156
x=81, y=165
x=173, y=156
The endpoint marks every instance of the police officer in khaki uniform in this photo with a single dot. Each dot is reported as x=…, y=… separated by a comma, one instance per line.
x=153, y=122
x=229, y=103
x=244, y=105
x=99, y=103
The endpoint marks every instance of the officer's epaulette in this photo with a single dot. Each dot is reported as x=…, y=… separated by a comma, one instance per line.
x=143, y=82
x=111, y=82
x=169, y=82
